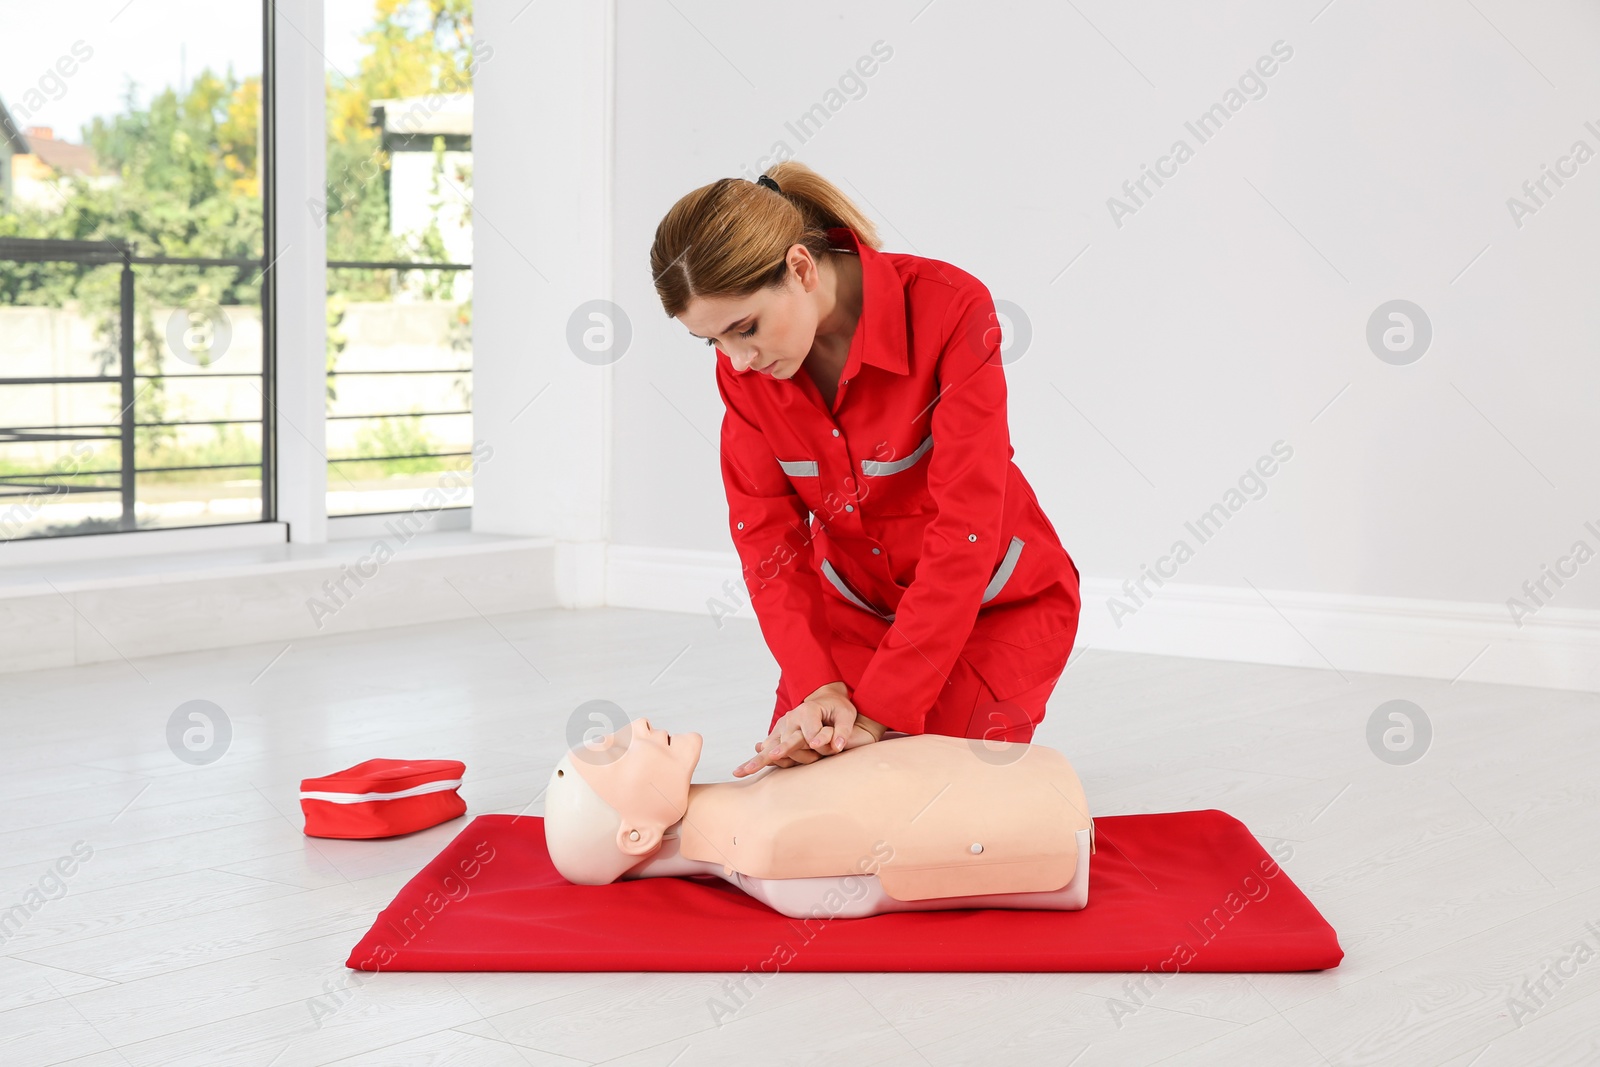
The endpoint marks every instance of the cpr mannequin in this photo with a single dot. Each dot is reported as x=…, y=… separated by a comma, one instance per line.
x=909, y=823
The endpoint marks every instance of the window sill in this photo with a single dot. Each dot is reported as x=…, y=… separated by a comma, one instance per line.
x=73, y=612
x=281, y=557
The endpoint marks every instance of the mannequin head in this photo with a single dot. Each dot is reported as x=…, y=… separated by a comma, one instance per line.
x=609, y=804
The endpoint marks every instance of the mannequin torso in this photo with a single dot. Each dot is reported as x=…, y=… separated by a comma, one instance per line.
x=904, y=824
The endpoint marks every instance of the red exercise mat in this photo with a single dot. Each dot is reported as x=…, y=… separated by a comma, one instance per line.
x=1173, y=891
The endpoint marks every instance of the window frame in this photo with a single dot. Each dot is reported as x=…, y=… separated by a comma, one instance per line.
x=293, y=462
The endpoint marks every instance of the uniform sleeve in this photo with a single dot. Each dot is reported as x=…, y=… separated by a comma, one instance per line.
x=768, y=522
x=967, y=475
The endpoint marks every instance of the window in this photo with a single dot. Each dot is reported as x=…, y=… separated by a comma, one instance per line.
x=131, y=268
x=398, y=221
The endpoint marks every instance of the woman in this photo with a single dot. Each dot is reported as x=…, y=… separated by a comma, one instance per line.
x=903, y=573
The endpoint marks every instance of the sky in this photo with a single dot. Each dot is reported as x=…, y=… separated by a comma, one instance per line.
x=156, y=43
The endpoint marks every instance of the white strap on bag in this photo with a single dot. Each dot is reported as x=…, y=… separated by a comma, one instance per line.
x=359, y=798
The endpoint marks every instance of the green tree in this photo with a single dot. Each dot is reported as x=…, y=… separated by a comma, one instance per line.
x=187, y=183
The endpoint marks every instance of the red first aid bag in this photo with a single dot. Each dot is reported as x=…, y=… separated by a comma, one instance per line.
x=383, y=798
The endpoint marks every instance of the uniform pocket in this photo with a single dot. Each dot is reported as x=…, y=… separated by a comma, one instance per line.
x=1049, y=616
x=1003, y=572
x=878, y=468
x=844, y=590
x=899, y=487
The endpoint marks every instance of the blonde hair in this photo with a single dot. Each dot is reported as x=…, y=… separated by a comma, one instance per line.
x=731, y=238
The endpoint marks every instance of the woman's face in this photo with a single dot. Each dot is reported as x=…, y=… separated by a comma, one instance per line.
x=770, y=331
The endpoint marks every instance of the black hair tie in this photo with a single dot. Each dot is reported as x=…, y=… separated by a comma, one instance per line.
x=769, y=183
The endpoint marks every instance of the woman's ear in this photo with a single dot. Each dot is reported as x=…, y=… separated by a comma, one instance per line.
x=804, y=265
x=638, y=840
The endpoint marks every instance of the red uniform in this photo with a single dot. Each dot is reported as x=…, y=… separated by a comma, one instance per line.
x=890, y=541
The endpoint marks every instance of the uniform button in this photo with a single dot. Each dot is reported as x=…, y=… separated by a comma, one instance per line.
x=876, y=551
x=972, y=537
x=849, y=507
x=836, y=433
x=976, y=848
x=741, y=526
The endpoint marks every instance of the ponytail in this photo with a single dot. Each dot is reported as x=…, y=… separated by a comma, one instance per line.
x=732, y=237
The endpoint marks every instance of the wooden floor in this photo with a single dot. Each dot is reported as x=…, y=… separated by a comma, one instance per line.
x=204, y=928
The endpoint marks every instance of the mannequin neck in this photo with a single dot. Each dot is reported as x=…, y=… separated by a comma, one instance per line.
x=667, y=860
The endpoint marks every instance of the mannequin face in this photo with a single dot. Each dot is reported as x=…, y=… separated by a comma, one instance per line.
x=648, y=785
x=784, y=321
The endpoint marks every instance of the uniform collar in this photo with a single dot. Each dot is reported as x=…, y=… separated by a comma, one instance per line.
x=880, y=337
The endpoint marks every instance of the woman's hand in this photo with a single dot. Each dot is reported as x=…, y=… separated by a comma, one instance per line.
x=823, y=724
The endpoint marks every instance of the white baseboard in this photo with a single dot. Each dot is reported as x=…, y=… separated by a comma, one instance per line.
x=1556, y=648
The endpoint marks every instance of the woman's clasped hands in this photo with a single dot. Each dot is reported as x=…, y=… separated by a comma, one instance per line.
x=823, y=724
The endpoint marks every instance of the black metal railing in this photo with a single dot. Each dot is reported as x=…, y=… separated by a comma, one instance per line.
x=353, y=264
x=106, y=253
x=123, y=431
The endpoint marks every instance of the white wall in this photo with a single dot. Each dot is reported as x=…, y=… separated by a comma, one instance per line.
x=1229, y=312
x=541, y=221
